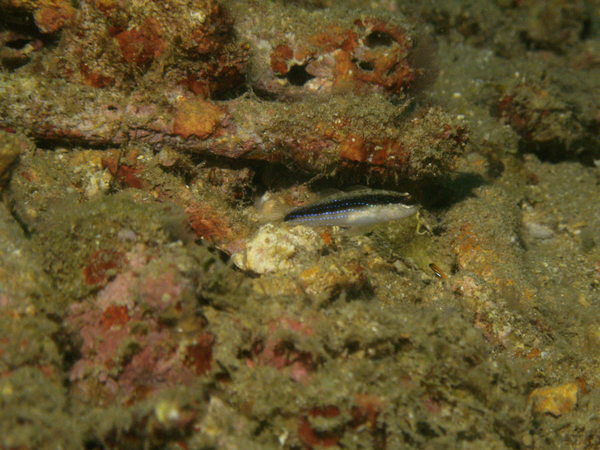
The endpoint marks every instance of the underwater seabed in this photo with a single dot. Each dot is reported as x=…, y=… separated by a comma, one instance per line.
x=157, y=286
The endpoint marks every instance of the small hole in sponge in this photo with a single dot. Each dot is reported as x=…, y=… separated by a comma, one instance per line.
x=378, y=39
x=366, y=66
x=298, y=76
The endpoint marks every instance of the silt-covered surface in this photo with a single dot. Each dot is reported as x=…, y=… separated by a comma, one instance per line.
x=148, y=300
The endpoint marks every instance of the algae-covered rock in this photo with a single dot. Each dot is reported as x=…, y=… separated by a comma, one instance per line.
x=142, y=305
x=280, y=249
x=11, y=146
x=84, y=245
x=34, y=412
x=33, y=399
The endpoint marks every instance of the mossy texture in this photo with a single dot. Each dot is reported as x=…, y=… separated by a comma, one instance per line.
x=146, y=303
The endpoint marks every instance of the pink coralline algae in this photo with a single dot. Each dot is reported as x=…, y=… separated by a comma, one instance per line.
x=139, y=39
x=282, y=354
x=128, y=349
x=178, y=74
x=368, y=55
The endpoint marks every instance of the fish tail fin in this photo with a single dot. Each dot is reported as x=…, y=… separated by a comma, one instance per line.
x=270, y=208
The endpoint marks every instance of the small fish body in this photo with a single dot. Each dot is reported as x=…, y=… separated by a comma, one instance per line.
x=354, y=209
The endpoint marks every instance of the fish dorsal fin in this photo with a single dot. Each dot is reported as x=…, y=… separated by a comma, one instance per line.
x=329, y=192
x=357, y=187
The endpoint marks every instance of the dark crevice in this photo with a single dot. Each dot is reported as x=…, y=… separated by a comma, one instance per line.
x=586, y=29
x=538, y=45
x=379, y=39
x=67, y=345
x=298, y=76
x=309, y=5
x=24, y=30
x=71, y=144
x=390, y=72
x=231, y=93
x=425, y=429
x=11, y=64
x=442, y=192
x=556, y=151
x=366, y=66
x=18, y=44
x=22, y=224
x=263, y=94
x=17, y=20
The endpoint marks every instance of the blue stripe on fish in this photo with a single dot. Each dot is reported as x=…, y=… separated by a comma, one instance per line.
x=353, y=209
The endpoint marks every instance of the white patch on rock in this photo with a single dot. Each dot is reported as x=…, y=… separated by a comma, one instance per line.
x=539, y=231
x=278, y=249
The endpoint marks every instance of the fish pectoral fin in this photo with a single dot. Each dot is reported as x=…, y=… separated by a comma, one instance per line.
x=358, y=230
x=270, y=209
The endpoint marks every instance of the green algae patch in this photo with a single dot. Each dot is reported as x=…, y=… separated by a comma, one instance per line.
x=413, y=370
x=34, y=411
x=118, y=330
x=11, y=146
x=85, y=243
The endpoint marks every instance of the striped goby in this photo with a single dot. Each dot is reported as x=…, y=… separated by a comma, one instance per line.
x=354, y=209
